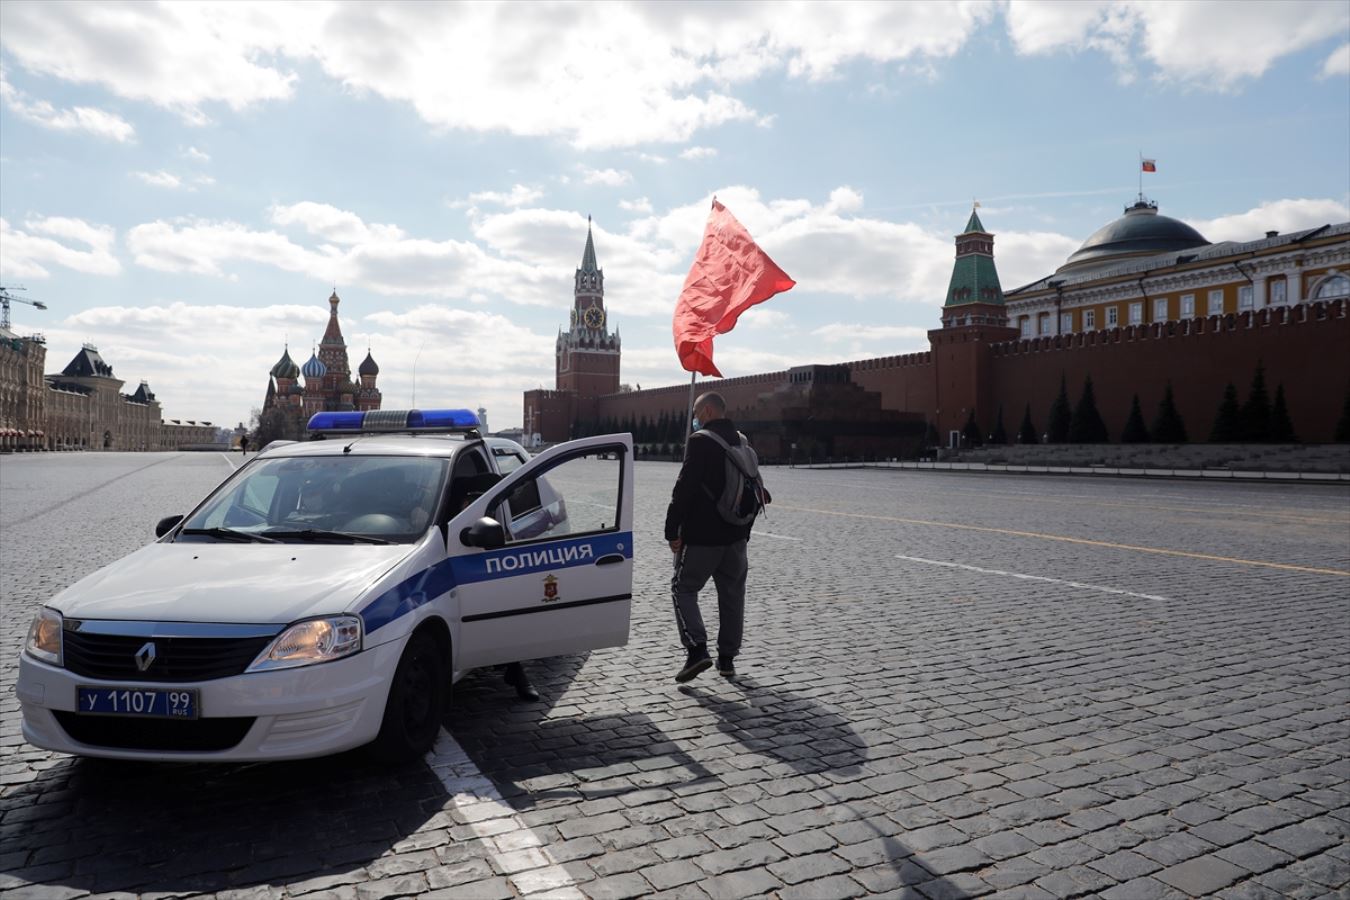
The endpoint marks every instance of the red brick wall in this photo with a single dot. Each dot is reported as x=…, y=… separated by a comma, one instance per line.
x=1307, y=348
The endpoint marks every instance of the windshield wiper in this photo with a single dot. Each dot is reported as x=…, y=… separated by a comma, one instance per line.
x=317, y=534
x=230, y=534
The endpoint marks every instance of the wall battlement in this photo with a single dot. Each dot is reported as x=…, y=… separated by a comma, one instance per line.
x=1311, y=315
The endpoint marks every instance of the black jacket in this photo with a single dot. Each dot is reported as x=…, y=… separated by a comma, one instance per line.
x=692, y=515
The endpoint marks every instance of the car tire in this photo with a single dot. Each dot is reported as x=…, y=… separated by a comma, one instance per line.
x=412, y=714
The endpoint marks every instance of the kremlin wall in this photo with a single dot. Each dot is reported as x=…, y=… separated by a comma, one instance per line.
x=1144, y=303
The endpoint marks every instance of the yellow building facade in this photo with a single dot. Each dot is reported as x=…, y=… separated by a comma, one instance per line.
x=1146, y=268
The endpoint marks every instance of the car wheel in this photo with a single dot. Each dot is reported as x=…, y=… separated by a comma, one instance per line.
x=412, y=714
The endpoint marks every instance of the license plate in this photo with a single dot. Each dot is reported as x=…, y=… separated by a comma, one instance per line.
x=152, y=703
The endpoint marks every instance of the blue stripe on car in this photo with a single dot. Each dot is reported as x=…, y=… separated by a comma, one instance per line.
x=444, y=576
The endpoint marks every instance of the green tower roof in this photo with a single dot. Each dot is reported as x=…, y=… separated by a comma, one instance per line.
x=974, y=224
x=974, y=280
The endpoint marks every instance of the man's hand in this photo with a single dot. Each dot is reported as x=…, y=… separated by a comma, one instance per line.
x=675, y=545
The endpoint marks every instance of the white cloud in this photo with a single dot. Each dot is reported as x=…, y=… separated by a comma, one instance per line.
x=333, y=224
x=159, y=179
x=1024, y=257
x=97, y=122
x=1211, y=45
x=519, y=195
x=203, y=248
x=641, y=205
x=177, y=56
x=1338, y=63
x=196, y=155
x=609, y=177
x=46, y=241
x=653, y=158
x=698, y=153
x=660, y=72
x=844, y=199
x=1280, y=215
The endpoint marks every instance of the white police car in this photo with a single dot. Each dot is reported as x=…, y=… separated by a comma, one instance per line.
x=328, y=593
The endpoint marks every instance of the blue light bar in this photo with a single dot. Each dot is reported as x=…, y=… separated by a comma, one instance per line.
x=336, y=421
x=394, y=420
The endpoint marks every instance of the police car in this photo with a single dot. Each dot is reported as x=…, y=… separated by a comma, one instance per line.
x=328, y=593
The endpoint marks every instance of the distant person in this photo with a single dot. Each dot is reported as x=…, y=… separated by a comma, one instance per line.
x=708, y=538
x=243, y=444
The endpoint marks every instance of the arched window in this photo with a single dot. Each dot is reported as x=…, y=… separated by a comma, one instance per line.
x=1335, y=286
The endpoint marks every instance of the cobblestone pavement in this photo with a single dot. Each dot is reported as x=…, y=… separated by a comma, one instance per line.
x=952, y=685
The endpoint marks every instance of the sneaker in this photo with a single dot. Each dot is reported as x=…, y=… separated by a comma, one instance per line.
x=726, y=667
x=697, y=662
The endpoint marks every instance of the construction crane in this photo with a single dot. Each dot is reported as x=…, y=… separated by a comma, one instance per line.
x=6, y=297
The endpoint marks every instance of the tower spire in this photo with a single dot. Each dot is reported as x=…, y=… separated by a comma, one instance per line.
x=588, y=263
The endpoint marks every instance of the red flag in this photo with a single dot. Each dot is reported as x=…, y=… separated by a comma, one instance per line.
x=730, y=274
x=1149, y=165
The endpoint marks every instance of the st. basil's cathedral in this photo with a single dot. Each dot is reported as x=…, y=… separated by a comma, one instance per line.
x=327, y=385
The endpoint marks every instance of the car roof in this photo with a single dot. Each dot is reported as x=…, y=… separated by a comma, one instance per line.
x=374, y=444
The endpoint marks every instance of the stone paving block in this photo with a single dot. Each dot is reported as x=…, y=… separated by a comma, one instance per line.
x=745, y=883
x=1298, y=840
x=618, y=887
x=946, y=860
x=1074, y=881
x=1202, y=875
x=1124, y=865
x=1254, y=856
x=808, y=868
x=1142, y=889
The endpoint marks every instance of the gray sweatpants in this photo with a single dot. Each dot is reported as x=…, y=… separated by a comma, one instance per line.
x=726, y=566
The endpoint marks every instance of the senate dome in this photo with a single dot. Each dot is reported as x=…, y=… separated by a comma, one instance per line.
x=1140, y=232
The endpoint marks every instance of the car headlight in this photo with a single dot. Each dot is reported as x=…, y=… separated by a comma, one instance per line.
x=311, y=641
x=44, y=637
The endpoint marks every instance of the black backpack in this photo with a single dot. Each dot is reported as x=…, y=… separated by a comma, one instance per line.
x=743, y=495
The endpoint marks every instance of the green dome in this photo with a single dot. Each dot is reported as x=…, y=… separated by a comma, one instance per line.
x=286, y=367
x=1140, y=232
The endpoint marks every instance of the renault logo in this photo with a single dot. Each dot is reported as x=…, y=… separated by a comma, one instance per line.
x=145, y=656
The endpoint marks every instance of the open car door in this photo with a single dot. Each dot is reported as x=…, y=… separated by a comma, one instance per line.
x=556, y=577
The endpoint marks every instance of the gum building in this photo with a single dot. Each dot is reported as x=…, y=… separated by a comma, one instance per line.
x=1145, y=303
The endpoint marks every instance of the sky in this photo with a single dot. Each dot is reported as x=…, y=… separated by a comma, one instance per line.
x=184, y=184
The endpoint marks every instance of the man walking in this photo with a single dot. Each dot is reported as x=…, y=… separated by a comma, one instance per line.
x=706, y=544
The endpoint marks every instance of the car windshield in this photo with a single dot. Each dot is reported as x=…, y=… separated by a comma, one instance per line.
x=349, y=499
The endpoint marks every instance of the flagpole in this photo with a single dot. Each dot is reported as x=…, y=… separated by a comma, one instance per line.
x=1141, y=176
x=689, y=419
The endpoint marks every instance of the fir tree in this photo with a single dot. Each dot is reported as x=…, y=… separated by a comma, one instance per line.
x=1168, y=428
x=1027, y=433
x=1228, y=421
x=1342, y=434
x=1060, y=415
x=1000, y=436
x=972, y=432
x=1086, y=426
x=1135, y=432
x=1256, y=411
x=1281, y=427
x=930, y=437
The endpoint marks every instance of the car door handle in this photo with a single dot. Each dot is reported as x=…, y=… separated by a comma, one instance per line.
x=610, y=560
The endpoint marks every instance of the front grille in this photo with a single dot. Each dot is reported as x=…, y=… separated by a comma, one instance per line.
x=177, y=659
x=129, y=733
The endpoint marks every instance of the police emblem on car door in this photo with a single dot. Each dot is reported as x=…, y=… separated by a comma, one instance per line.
x=566, y=517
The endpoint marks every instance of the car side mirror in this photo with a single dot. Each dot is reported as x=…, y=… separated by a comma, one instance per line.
x=165, y=525
x=486, y=533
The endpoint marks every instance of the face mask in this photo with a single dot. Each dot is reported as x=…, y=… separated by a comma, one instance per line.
x=697, y=424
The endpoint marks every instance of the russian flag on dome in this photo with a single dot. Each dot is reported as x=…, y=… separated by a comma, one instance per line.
x=730, y=274
x=1150, y=165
